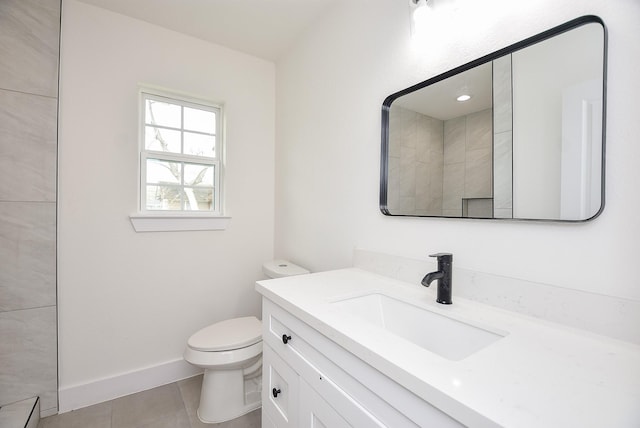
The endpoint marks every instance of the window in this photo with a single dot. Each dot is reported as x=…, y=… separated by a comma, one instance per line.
x=180, y=156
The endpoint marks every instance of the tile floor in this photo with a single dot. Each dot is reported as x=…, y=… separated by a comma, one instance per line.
x=168, y=406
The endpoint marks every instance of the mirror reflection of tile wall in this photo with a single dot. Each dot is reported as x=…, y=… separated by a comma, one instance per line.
x=415, y=163
x=467, y=160
x=429, y=158
x=503, y=138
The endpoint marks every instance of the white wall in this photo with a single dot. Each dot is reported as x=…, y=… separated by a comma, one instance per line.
x=329, y=93
x=127, y=300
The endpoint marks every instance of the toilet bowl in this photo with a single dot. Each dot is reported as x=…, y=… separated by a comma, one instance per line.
x=230, y=352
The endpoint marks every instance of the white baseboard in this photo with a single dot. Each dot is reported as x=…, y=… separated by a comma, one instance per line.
x=77, y=396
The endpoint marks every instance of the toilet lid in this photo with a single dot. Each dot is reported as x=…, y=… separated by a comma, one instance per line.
x=227, y=335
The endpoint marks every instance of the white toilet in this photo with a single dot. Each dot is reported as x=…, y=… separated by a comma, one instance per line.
x=230, y=352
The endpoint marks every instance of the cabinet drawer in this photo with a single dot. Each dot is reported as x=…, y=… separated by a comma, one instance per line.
x=279, y=331
x=279, y=390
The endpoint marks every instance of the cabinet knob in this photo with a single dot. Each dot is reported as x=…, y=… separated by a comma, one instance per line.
x=285, y=339
x=275, y=392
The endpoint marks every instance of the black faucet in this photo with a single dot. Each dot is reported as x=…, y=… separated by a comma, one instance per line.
x=443, y=275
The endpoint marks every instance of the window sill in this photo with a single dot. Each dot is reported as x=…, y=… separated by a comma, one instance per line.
x=169, y=223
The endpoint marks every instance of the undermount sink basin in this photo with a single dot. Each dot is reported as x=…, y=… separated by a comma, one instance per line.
x=447, y=337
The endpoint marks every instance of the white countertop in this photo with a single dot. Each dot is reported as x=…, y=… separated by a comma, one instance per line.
x=540, y=374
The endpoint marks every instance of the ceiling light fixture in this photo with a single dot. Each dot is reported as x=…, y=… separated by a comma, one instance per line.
x=419, y=15
x=463, y=98
x=420, y=9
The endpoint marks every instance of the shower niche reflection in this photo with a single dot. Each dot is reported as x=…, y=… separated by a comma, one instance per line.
x=528, y=143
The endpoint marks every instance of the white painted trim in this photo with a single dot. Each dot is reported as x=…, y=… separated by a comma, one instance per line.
x=77, y=396
x=165, y=223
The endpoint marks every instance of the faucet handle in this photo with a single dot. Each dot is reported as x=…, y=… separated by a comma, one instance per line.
x=443, y=256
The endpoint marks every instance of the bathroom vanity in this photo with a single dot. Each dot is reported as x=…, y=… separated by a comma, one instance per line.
x=352, y=348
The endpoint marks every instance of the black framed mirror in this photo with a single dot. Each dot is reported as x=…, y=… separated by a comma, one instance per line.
x=517, y=134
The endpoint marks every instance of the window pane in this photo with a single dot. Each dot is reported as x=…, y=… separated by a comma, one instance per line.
x=163, y=172
x=164, y=198
x=199, y=120
x=162, y=113
x=198, y=199
x=199, y=145
x=161, y=140
x=198, y=175
x=180, y=151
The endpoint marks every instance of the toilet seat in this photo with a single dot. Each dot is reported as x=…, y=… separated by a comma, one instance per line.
x=223, y=359
x=227, y=335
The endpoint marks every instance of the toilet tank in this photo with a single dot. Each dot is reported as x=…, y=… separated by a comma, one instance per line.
x=282, y=268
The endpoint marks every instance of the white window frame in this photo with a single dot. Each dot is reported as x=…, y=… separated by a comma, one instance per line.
x=179, y=220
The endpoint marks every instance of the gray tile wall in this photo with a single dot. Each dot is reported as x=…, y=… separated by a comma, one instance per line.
x=29, y=40
x=415, y=163
x=468, y=160
x=433, y=164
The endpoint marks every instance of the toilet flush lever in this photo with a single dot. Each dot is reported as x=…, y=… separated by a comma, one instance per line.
x=285, y=339
x=275, y=392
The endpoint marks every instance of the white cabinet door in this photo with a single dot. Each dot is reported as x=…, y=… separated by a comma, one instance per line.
x=279, y=390
x=266, y=420
x=315, y=412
